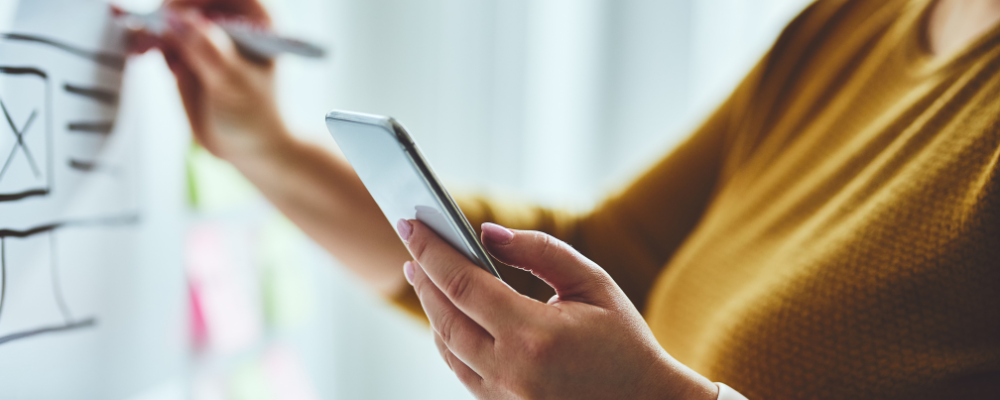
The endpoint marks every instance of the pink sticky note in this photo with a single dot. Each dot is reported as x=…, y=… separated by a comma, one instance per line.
x=224, y=290
x=198, y=326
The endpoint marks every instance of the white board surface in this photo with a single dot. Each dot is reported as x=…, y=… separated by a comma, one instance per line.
x=82, y=315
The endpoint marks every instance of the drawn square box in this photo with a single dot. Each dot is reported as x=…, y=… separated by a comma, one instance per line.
x=25, y=134
x=32, y=299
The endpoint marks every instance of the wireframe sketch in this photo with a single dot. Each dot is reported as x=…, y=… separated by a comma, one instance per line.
x=60, y=75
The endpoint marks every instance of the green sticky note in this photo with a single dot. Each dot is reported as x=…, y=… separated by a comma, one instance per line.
x=214, y=184
x=287, y=291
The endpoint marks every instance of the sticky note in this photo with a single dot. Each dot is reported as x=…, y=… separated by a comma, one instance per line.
x=214, y=184
x=287, y=290
x=226, y=290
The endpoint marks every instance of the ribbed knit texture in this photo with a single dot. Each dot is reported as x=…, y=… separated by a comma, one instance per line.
x=832, y=231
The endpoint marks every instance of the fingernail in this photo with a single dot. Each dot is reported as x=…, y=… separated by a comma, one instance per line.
x=496, y=233
x=408, y=271
x=405, y=229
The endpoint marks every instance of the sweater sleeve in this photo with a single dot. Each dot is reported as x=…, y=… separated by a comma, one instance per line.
x=633, y=233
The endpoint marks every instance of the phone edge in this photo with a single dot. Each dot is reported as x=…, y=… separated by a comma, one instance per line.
x=443, y=196
x=440, y=194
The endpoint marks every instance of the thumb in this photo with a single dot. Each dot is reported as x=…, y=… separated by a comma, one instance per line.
x=573, y=276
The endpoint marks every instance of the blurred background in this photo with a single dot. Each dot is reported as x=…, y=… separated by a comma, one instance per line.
x=554, y=101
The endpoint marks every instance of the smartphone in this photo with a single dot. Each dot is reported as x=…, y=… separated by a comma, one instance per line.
x=401, y=181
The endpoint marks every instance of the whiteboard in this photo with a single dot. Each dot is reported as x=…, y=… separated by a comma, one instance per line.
x=83, y=312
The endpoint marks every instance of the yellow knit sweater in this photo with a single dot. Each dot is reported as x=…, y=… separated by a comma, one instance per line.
x=832, y=231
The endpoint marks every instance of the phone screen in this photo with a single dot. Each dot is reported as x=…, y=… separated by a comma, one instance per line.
x=400, y=180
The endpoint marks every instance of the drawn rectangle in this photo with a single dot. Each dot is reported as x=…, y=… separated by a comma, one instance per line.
x=25, y=133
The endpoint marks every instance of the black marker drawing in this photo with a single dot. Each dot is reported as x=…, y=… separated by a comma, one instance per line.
x=113, y=61
x=100, y=127
x=82, y=166
x=68, y=324
x=19, y=144
x=36, y=123
x=85, y=166
x=109, y=97
x=42, y=64
x=69, y=321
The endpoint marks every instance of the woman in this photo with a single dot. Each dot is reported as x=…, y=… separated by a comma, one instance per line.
x=832, y=231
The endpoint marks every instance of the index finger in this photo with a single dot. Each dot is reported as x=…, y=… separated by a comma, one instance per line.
x=480, y=295
x=251, y=10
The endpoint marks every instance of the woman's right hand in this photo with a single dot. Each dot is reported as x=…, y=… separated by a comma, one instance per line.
x=229, y=99
x=233, y=112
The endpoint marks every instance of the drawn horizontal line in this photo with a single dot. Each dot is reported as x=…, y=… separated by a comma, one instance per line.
x=101, y=127
x=105, y=221
x=28, y=232
x=89, y=322
x=82, y=165
x=24, y=71
x=105, y=96
x=93, y=166
x=114, y=61
x=22, y=195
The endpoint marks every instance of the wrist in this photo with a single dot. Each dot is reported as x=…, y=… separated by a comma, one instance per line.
x=273, y=144
x=675, y=381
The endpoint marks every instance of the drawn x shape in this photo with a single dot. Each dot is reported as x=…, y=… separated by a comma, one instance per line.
x=19, y=133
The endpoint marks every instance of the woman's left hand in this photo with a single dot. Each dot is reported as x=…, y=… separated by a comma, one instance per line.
x=587, y=342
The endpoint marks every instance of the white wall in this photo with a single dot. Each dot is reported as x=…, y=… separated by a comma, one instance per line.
x=96, y=312
x=553, y=94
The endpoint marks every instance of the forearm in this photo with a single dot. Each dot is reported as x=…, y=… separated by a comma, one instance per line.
x=321, y=194
x=230, y=103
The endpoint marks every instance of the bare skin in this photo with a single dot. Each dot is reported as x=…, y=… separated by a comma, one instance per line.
x=231, y=107
x=954, y=24
x=586, y=342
